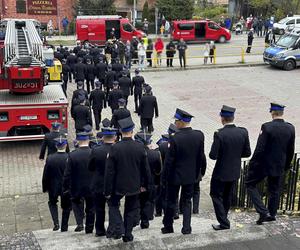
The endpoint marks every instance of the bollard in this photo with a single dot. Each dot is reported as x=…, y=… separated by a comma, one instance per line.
x=243, y=55
x=215, y=56
x=155, y=59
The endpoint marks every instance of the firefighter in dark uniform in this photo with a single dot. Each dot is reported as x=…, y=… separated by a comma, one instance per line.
x=80, y=71
x=137, y=88
x=82, y=115
x=118, y=68
x=185, y=164
x=53, y=183
x=90, y=75
x=121, y=113
x=231, y=143
x=49, y=142
x=77, y=179
x=97, y=163
x=71, y=61
x=110, y=79
x=101, y=69
x=127, y=175
x=114, y=96
x=98, y=102
x=75, y=97
x=66, y=70
x=272, y=157
x=125, y=85
x=148, y=106
x=147, y=199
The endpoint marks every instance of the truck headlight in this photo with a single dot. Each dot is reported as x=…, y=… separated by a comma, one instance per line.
x=278, y=56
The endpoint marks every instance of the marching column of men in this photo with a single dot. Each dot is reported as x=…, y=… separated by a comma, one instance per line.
x=111, y=166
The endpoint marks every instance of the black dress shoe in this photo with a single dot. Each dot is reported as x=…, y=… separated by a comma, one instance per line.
x=219, y=227
x=196, y=212
x=264, y=218
x=167, y=230
x=184, y=231
x=56, y=227
x=176, y=216
x=127, y=238
x=79, y=228
x=88, y=231
x=117, y=236
x=64, y=229
x=100, y=234
x=158, y=214
x=144, y=225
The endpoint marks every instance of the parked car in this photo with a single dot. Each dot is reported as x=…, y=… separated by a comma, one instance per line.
x=286, y=24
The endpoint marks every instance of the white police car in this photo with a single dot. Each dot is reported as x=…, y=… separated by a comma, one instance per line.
x=285, y=53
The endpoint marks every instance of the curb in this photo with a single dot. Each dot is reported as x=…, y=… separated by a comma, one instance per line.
x=217, y=66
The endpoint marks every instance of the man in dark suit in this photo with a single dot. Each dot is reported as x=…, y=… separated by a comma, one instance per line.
x=101, y=68
x=121, y=113
x=52, y=183
x=272, y=157
x=148, y=106
x=49, y=142
x=125, y=85
x=80, y=70
x=90, y=75
x=98, y=102
x=82, y=115
x=71, y=61
x=230, y=144
x=97, y=161
x=66, y=71
x=185, y=164
x=137, y=88
x=110, y=79
x=114, y=96
x=77, y=179
x=127, y=175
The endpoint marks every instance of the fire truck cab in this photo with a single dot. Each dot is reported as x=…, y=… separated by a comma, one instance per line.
x=27, y=105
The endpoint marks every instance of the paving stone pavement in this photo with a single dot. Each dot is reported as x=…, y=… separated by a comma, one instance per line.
x=201, y=92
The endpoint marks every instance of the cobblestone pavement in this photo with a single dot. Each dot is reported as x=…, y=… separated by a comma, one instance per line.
x=201, y=92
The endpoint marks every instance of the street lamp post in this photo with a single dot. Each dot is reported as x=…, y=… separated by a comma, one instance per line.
x=134, y=12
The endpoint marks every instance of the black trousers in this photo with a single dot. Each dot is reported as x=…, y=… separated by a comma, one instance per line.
x=97, y=115
x=146, y=208
x=89, y=84
x=196, y=200
x=172, y=195
x=182, y=58
x=99, y=203
x=170, y=61
x=137, y=99
x=65, y=86
x=273, y=189
x=249, y=47
x=147, y=124
x=131, y=209
x=78, y=209
x=160, y=199
x=149, y=59
x=220, y=193
x=66, y=206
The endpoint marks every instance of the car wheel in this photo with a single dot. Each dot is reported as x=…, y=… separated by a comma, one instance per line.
x=289, y=65
x=281, y=32
x=222, y=39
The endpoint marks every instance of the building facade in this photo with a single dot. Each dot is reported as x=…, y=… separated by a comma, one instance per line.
x=42, y=10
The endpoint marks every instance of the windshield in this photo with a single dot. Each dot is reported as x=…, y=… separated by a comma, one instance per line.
x=284, y=20
x=287, y=41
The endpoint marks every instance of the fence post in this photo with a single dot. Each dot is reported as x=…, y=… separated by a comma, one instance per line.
x=243, y=55
x=215, y=55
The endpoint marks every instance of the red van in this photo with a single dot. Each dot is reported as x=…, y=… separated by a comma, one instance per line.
x=199, y=30
x=96, y=29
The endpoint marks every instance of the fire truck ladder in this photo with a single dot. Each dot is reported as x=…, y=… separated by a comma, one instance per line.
x=23, y=45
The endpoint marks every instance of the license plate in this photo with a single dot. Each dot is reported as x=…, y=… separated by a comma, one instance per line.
x=28, y=117
x=25, y=85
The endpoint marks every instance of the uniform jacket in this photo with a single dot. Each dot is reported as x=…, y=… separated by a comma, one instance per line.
x=71, y=61
x=125, y=85
x=185, y=161
x=127, y=168
x=274, y=149
x=65, y=72
x=110, y=78
x=77, y=177
x=80, y=71
x=97, y=163
x=101, y=69
x=230, y=144
x=49, y=143
x=119, y=114
x=82, y=116
x=53, y=173
x=137, y=85
x=90, y=72
x=97, y=99
x=148, y=106
x=155, y=165
x=113, y=98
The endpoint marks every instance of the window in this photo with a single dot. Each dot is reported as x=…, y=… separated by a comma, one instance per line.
x=298, y=21
x=290, y=22
x=213, y=26
x=185, y=26
x=127, y=27
x=21, y=6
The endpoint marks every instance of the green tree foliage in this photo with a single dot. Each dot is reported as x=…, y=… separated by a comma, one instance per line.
x=176, y=9
x=145, y=11
x=211, y=12
x=95, y=7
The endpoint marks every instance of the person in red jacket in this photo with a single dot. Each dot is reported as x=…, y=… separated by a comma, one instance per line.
x=159, y=47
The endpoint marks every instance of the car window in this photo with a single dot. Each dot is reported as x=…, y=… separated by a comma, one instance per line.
x=185, y=26
x=290, y=22
x=213, y=26
x=298, y=21
x=284, y=20
x=127, y=27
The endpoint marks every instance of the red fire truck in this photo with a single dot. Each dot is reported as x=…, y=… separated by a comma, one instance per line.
x=27, y=106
